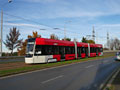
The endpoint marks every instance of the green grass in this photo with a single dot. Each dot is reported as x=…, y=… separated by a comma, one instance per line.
x=42, y=66
x=111, y=87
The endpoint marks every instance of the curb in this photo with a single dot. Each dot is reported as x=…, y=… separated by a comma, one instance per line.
x=109, y=80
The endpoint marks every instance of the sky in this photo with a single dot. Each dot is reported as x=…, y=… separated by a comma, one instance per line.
x=77, y=17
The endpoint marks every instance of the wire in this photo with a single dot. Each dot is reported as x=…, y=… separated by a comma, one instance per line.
x=28, y=20
x=59, y=29
x=37, y=22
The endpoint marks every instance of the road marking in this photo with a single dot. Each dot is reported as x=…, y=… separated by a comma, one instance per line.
x=89, y=66
x=52, y=79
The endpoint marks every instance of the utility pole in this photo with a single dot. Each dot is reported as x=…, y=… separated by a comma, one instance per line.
x=93, y=34
x=108, y=42
x=1, y=33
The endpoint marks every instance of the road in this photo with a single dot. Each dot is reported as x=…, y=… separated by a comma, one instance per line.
x=88, y=75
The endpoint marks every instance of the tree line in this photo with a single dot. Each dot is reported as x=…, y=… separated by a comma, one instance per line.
x=13, y=42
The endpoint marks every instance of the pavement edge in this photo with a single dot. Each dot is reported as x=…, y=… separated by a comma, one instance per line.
x=109, y=80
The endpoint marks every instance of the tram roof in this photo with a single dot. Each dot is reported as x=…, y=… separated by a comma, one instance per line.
x=46, y=41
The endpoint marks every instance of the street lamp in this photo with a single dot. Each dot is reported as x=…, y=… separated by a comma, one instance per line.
x=9, y=1
x=65, y=29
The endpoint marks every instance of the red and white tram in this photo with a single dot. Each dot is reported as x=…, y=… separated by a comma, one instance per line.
x=43, y=50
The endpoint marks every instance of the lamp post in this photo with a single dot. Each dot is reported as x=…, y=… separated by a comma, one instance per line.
x=1, y=36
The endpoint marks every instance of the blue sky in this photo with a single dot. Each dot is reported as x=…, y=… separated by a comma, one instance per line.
x=104, y=15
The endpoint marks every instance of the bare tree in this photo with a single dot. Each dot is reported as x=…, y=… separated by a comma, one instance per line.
x=114, y=44
x=12, y=39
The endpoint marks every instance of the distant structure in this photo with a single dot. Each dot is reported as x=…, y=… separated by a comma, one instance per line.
x=108, y=42
x=93, y=34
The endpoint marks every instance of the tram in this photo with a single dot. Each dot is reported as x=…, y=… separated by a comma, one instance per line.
x=43, y=50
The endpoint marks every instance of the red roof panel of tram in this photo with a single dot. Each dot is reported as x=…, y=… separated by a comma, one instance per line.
x=44, y=41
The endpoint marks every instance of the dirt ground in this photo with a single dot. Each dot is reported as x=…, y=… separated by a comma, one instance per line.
x=7, y=66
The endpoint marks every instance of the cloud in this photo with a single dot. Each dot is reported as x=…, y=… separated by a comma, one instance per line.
x=25, y=26
x=22, y=24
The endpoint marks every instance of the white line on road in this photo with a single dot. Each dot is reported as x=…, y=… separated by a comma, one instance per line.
x=52, y=79
x=89, y=66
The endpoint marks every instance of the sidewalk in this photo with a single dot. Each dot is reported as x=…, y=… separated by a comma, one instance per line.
x=114, y=83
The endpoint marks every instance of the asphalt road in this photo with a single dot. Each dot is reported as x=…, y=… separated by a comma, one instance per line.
x=81, y=76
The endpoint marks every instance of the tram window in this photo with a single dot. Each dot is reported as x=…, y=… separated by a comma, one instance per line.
x=91, y=50
x=44, y=50
x=95, y=50
x=38, y=50
x=78, y=50
x=49, y=50
x=101, y=49
x=98, y=49
x=72, y=50
x=61, y=50
x=55, y=50
x=67, y=50
x=82, y=50
x=86, y=50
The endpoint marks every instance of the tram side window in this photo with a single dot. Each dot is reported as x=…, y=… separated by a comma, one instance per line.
x=61, y=50
x=86, y=50
x=67, y=50
x=98, y=49
x=78, y=50
x=47, y=50
x=38, y=50
x=72, y=50
x=82, y=50
x=90, y=49
x=101, y=49
x=55, y=49
x=93, y=49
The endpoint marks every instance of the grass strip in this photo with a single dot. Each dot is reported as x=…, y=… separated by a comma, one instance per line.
x=42, y=66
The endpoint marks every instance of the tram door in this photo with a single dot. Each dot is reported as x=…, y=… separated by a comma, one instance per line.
x=79, y=51
x=62, y=52
x=86, y=51
x=97, y=51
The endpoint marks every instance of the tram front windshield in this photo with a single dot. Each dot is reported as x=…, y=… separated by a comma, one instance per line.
x=29, y=50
